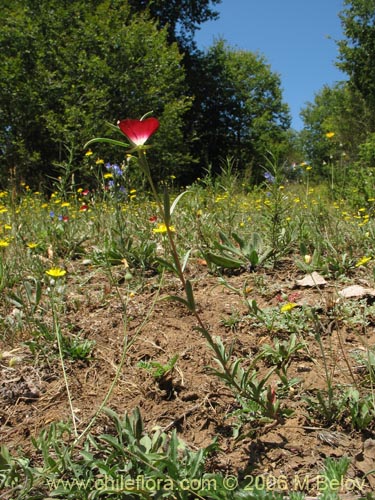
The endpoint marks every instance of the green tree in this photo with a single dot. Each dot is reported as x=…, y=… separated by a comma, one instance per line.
x=69, y=66
x=357, y=51
x=181, y=18
x=238, y=109
x=338, y=109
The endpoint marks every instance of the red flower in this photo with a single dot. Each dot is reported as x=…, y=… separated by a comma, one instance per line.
x=138, y=131
x=153, y=218
x=83, y=208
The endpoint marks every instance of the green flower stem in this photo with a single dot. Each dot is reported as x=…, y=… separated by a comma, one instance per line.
x=57, y=329
x=127, y=344
x=146, y=169
x=143, y=163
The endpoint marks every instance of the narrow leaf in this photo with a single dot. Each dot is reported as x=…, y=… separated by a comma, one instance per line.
x=108, y=141
x=185, y=260
x=175, y=202
x=190, y=295
x=220, y=260
x=177, y=299
x=167, y=208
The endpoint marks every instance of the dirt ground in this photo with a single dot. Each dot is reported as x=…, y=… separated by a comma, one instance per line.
x=195, y=402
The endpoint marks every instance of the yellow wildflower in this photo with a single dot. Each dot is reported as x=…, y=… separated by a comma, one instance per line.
x=329, y=135
x=89, y=153
x=4, y=243
x=162, y=228
x=288, y=307
x=363, y=261
x=56, y=272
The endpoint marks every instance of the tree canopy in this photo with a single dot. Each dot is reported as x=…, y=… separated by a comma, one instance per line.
x=357, y=50
x=69, y=66
x=66, y=70
x=238, y=108
x=181, y=18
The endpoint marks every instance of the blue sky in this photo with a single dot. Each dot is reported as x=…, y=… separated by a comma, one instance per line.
x=296, y=37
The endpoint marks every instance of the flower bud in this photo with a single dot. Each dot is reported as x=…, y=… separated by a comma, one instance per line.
x=307, y=259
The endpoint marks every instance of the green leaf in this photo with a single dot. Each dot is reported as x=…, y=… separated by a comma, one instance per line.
x=239, y=240
x=253, y=258
x=167, y=265
x=167, y=208
x=190, y=295
x=177, y=299
x=185, y=259
x=221, y=261
x=176, y=200
x=108, y=141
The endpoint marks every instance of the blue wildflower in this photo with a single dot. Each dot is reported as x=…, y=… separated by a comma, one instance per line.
x=114, y=169
x=269, y=177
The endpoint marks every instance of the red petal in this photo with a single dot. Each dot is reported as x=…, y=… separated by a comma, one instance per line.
x=138, y=131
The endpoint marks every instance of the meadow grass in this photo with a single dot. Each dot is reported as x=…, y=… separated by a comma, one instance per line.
x=50, y=242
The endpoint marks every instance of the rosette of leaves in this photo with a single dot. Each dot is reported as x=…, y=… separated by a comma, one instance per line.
x=237, y=252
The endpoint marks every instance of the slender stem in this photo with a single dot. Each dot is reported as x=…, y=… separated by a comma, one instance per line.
x=144, y=165
x=146, y=169
x=126, y=346
x=57, y=329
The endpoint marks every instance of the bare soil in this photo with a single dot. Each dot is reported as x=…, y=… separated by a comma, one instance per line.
x=192, y=400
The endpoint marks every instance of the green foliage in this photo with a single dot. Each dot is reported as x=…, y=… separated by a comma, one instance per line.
x=257, y=398
x=238, y=109
x=337, y=109
x=334, y=471
x=249, y=253
x=181, y=17
x=361, y=409
x=281, y=353
x=357, y=51
x=68, y=68
x=127, y=453
x=158, y=370
x=327, y=406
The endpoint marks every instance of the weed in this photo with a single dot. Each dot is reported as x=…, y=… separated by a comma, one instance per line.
x=127, y=460
x=232, y=322
x=157, y=370
x=247, y=253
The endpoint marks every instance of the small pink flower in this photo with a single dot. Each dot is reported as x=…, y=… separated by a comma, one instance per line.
x=292, y=297
x=138, y=131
